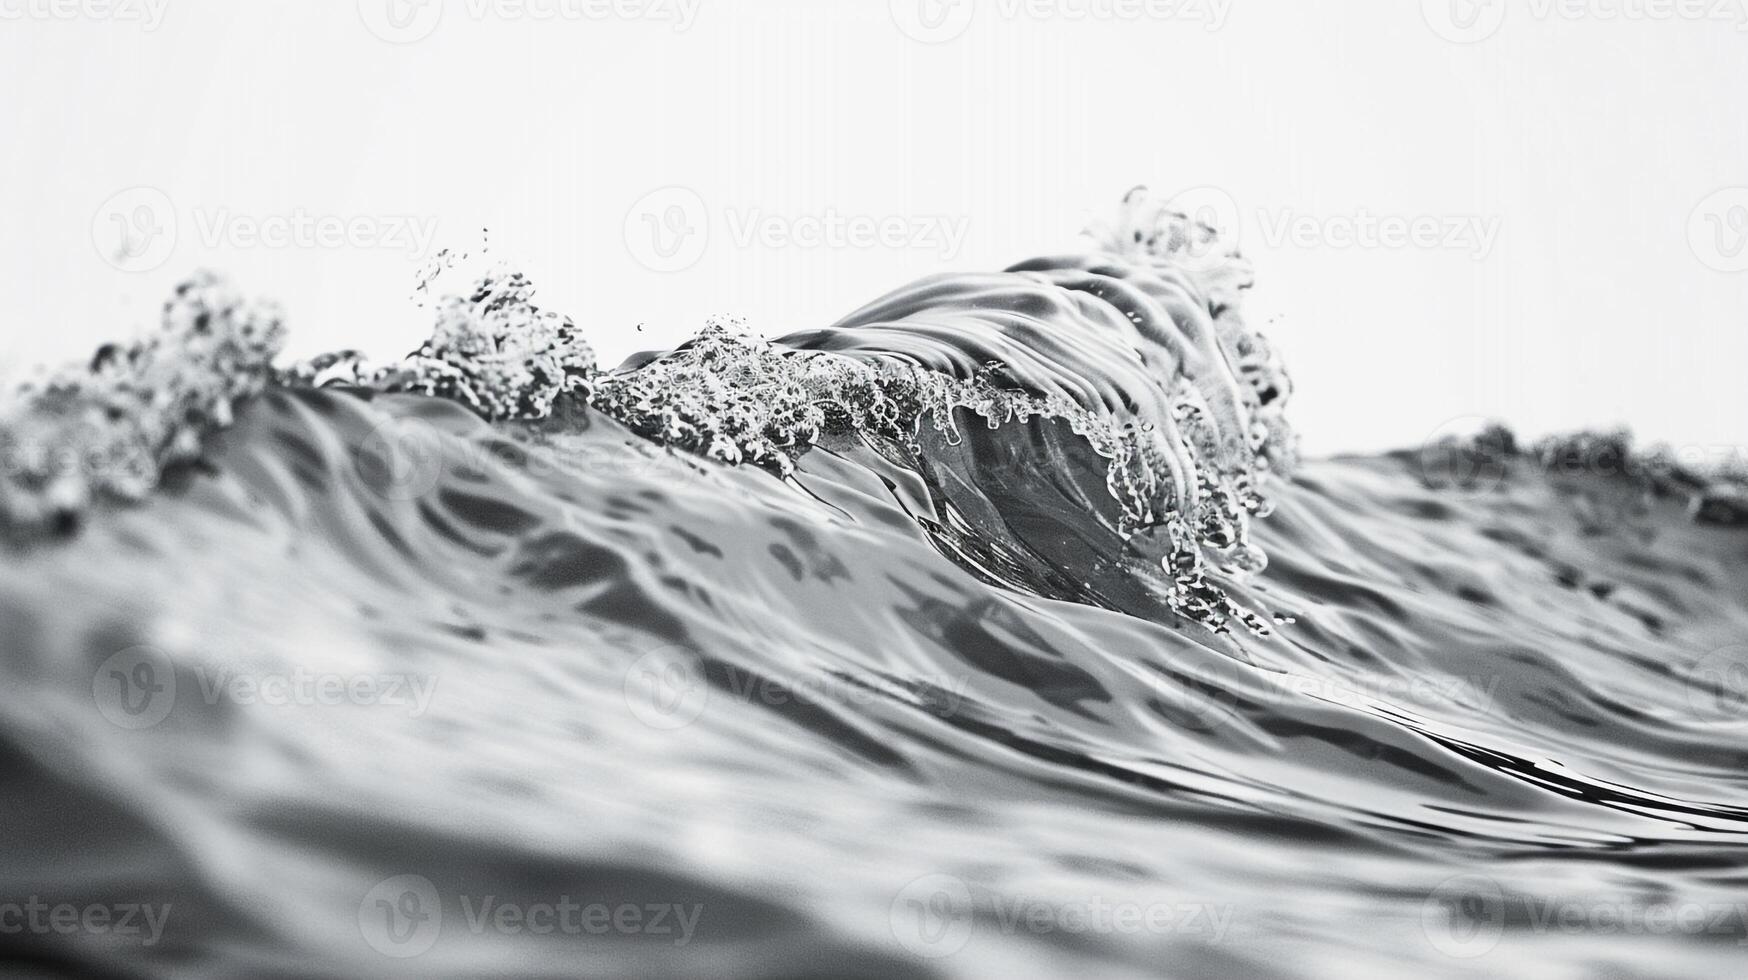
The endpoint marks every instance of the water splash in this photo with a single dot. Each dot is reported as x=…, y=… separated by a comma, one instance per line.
x=1145, y=358
x=804, y=704
x=1138, y=344
x=112, y=428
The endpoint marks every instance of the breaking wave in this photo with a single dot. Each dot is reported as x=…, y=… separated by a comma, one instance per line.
x=898, y=647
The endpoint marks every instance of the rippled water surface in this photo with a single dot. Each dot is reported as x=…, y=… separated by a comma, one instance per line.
x=386, y=679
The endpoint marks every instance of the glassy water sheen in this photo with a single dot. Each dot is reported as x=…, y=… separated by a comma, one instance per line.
x=993, y=631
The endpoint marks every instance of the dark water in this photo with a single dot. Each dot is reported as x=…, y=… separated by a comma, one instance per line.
x=370, y=685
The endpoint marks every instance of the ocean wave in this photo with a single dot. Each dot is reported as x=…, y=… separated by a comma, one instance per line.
x=1140, y=355
x=891, y=648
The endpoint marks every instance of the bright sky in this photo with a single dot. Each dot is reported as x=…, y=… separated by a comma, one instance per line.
x=1457, y=208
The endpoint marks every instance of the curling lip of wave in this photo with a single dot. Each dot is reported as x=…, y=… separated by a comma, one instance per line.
x=1145, y=358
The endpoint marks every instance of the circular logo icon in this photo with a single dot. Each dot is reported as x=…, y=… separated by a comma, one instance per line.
x=401, y=459
x=932, y=21
x=668, y=229
x=135, y=688
x=1717, y=230
x=1470, y=452
x=135, y=230
x=666, y=688
x=401, y=21
x=1464, y=21
x=401, y=916
x=1197, y=700
x=1465, y=916
x=932, y=917
x=1719, y=684
x=1212, y=229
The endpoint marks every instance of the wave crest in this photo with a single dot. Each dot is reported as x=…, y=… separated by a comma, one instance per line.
x=1143, y=354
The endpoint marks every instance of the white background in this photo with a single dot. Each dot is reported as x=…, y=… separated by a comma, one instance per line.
x=1590, y=139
